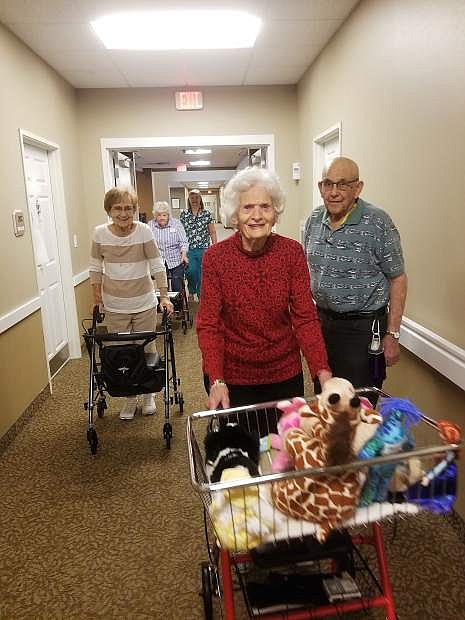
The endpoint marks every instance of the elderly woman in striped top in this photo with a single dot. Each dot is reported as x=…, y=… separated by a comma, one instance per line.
x=124, y=256
x=171, y=240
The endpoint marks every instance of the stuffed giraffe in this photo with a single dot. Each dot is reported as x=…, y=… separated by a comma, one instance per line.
x=324, y=439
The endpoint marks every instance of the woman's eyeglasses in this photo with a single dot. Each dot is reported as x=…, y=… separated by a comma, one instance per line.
x=122, y=209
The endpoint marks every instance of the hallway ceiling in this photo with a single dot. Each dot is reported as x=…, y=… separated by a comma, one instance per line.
x=293, y=34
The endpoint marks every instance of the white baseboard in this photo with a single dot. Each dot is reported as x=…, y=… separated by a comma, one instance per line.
x=80, y=277
x=19, y=314
x=447, y=358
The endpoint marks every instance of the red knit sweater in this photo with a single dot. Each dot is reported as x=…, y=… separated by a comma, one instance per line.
x=256, y=313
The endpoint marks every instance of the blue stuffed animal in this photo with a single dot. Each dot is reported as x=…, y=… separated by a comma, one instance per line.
x=393, y=435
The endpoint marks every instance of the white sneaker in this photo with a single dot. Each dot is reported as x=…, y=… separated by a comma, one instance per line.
x=129, y=408
x=196, y=297
x=148, y=404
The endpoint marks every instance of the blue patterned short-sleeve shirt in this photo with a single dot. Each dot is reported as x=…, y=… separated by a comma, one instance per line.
x=196, y=227
x=351, y=266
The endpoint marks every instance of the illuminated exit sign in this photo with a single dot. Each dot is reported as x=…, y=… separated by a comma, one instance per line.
x=189, y=100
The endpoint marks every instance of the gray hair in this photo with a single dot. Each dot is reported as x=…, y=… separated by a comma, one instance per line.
x=245, y=180
x=161, y=207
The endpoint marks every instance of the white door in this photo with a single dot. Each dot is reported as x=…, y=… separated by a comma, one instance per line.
x=44, y=238
x=326, y=147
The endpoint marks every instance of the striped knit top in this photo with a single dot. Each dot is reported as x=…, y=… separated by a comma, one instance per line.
x=123, y=266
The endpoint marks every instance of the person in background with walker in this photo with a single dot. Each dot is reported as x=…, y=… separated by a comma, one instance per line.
x=171, y=240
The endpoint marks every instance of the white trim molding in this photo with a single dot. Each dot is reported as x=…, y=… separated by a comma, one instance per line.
x=107, y=145
x=80, y=277
x=447, y=358
x=19, y=314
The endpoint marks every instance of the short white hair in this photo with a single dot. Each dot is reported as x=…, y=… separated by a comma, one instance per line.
x=161, y=206
x=245, y=180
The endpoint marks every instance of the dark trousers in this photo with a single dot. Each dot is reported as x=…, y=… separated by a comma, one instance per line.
x=347, y=344
x=175, y=277
x=264, y=421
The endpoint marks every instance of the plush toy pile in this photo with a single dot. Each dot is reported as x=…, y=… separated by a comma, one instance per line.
x=336, y=428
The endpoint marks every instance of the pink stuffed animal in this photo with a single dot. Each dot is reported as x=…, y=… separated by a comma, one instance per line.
x=290, y=418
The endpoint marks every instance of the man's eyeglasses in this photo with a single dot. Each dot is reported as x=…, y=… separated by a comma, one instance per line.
x=121, y=209
x=327, y=185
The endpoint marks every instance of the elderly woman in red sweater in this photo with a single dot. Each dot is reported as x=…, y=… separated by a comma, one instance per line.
x=256, y=312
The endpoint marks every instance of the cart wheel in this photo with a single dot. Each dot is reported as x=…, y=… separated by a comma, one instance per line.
x=92, y=439
x=167, y=434
x=101, y=406
x=184, y=327
x=207, y=592
x=181, y=402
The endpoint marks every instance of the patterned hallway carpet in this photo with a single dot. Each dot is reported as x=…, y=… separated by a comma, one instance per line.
x=120, y=534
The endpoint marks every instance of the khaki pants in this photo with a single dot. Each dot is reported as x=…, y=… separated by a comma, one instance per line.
x=145, y=321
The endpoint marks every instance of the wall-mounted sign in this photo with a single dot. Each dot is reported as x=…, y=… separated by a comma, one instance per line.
x=189, y=100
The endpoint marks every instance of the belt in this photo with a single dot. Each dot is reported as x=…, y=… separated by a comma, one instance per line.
x=347, y=316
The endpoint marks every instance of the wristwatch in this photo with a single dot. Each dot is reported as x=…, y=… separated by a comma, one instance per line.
x=395, y=335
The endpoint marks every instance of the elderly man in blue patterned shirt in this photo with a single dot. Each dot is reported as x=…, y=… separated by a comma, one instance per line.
x=357, y=276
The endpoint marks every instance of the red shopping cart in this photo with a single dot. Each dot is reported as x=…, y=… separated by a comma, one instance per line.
x=326, y=579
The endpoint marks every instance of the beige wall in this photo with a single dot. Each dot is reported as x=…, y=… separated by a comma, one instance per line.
x=393, y=76
x=151, y=112
x=36, y=99
x=23, y=373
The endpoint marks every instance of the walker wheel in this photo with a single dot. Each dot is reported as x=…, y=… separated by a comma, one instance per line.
x=167, y=434
x=92, y=439
x=207, y=592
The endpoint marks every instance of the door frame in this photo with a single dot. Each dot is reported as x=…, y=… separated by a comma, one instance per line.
x=318, y=151
x=107, y=145
x=62, y=233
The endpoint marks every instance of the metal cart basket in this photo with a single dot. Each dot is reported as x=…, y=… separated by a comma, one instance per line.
x=261, y=535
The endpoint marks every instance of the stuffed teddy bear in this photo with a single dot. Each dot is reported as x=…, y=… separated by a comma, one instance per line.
x=324, y=439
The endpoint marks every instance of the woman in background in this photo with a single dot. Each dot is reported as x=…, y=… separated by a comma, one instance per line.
x=124, y=256
x=200, y=230
x=171, y=240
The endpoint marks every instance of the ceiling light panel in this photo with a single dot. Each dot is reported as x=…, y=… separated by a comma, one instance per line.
x=197, y=151
x=177, y=30
x=200, y=162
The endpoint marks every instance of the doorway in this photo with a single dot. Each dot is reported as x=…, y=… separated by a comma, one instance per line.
x=125, y=145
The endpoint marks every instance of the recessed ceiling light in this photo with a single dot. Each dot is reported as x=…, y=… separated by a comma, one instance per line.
x=177, y=30
x=199, y=162
x=197, y=151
